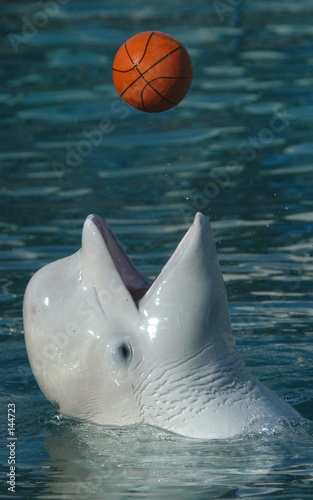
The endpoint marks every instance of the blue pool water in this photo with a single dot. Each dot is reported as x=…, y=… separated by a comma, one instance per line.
x=238, y=148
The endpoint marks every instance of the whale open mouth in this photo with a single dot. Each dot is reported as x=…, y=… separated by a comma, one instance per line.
x=112, y=269
x=132, y=279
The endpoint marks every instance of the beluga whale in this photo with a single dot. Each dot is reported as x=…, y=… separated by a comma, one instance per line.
x=110, y=348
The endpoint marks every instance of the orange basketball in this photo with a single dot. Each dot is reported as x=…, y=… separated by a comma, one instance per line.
x=152, y=71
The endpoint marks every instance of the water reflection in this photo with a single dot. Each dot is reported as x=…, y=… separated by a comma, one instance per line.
x=133, y=461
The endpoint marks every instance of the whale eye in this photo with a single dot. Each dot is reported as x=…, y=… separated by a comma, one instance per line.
x=119, y=355
x=125, y=351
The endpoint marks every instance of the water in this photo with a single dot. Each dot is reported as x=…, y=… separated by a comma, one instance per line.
x=238, y=148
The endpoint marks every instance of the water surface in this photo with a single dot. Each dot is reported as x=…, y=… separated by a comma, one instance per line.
x=238, y=148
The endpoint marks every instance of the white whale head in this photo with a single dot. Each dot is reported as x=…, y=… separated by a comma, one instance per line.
x=107, y=347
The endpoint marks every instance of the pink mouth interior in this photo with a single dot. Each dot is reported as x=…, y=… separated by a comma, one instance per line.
x=133, y=280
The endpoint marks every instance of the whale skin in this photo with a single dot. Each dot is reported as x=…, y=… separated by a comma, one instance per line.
x=108, y=347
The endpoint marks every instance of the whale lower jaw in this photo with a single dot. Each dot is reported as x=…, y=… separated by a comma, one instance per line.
x=219, y=402
x=227, y=417
x=214, y=402
x=253, y=408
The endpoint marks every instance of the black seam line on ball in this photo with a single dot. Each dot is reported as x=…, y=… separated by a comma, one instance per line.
x=158, y=93
x=162, y=78
x=145, y=51
x=155, y=64
x=134, y=65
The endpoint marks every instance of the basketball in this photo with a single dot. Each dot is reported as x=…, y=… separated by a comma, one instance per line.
x=152, y=71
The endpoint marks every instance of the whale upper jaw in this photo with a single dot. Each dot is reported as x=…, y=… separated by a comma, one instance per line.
x=107, y=346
